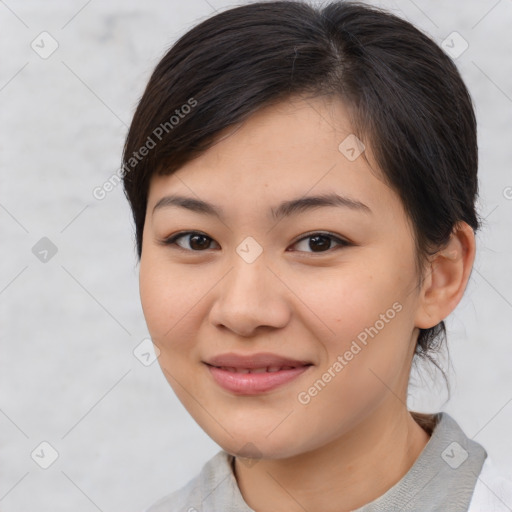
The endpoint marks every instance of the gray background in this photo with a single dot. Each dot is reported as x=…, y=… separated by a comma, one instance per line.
x=69, y=325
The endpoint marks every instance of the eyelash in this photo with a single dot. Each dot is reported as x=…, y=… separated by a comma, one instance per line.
x=171, y=241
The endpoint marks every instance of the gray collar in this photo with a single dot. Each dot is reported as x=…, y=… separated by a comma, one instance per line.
x=442, y=478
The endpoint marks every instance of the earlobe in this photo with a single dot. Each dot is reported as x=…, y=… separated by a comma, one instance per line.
x=446, y=278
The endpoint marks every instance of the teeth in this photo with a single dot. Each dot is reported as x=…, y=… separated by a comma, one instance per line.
x=269, y=369
x=258, y=370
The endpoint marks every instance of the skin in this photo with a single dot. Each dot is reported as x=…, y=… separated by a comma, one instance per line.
x=355, y=438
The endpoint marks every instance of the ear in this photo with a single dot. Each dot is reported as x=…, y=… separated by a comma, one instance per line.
x=446, y=277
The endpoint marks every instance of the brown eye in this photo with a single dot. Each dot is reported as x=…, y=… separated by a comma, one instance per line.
x=320, y=242
x=196, y=241
x=199, y=242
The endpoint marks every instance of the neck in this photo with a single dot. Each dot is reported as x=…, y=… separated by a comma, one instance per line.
x=343, y=475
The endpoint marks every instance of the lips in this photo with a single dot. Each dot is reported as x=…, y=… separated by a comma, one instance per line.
x=255, y=361
x=254, y=374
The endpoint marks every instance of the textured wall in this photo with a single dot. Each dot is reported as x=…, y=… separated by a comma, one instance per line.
x=70, y=316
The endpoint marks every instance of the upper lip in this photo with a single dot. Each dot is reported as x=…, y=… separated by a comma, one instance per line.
x=260, y=360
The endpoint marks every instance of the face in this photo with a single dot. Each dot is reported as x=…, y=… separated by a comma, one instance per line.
x=282, y=322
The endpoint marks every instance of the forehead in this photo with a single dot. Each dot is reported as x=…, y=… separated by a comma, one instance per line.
x=296, y=147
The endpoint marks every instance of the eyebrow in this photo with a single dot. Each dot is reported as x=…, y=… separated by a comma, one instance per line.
x=285, y=209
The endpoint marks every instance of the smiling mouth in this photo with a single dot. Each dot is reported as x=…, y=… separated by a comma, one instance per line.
x=254, y=381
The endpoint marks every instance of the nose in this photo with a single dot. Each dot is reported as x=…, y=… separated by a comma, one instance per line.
x=250, y=298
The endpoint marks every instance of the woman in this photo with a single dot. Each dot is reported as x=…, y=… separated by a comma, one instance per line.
x=303, y=184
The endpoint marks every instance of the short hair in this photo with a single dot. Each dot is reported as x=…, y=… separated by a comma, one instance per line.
x=407, y=100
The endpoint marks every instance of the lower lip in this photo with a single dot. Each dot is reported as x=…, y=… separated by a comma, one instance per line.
x=254, y=383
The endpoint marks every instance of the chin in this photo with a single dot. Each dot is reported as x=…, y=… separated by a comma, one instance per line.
x=259, y=446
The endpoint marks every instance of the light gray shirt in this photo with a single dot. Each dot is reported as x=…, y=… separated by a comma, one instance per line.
x=443, y=478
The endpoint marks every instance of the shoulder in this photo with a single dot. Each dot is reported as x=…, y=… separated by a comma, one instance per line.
x=493, y=492
x=180, y=499
x=214, y=478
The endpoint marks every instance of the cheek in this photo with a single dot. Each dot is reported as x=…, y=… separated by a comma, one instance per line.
x=369, y=324
x=171, y=302
x=169, y=298
x=348, y=301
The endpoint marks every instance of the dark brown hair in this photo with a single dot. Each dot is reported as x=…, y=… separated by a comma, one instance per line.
x=409, y=104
